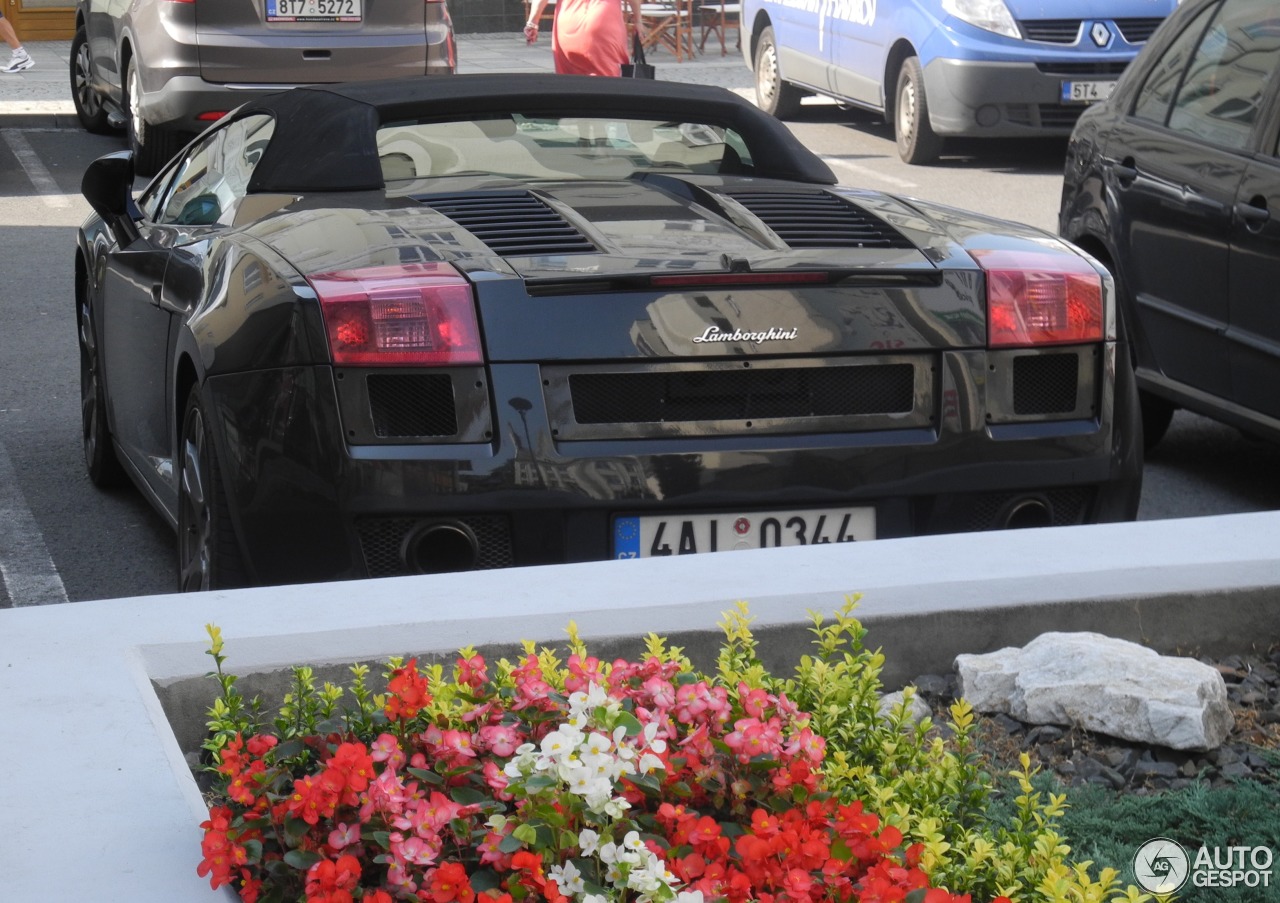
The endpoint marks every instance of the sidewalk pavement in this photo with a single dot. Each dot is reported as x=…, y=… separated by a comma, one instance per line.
x=40, y=97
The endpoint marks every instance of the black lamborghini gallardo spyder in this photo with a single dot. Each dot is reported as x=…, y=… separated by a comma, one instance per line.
x=426, y=325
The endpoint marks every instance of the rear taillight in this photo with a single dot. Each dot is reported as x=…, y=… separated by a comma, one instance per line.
x=1039, y=298
x=417, y=314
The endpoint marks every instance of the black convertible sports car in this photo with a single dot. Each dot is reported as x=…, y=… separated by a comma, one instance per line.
x=416, y=326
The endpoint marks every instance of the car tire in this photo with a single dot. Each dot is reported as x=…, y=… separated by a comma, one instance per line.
x=918, y=144
x=208, y=555
x=100, y=459
x=1157, y=414
x=152, y=145
x=776, y=97
x=90, y=109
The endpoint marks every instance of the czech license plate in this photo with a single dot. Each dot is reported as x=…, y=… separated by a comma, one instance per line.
x=1086, y=92
x=315, y=10
x=652, y=536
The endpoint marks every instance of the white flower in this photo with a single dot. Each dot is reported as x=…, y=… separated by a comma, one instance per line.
x=598, y=744
x=599, y=898
x=561, y=742
x=588, y=842
x=650, y=763
x=568, y=878
x=632, y=841
x=689, y=896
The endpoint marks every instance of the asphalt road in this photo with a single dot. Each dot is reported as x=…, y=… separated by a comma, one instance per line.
x=63, y=540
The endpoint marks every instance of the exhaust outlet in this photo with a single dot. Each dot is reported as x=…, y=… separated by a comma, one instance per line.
x=1025, y=512
x=440, y=547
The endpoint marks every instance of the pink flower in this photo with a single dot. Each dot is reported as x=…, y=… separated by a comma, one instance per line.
x=472, y=671
x=500, y=739
x=344, y=836
x=387, y=749
x=457, y=745
x=415, y=850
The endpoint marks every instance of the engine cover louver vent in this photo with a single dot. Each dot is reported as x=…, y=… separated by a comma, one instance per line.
x=512, y=223
x=818, y=219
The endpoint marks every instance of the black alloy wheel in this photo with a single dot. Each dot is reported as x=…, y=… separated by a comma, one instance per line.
x=208, y=557
x=917, y=142
x=100, y=458
x=90, y=109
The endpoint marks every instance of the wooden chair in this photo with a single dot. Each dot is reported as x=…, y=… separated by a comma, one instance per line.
x=665, y=23
x=718, y=17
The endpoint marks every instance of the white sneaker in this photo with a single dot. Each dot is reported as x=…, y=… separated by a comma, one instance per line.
x=19, y=61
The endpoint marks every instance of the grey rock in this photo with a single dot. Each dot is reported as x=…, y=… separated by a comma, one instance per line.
x=917, y=709
x=1144, y=770
x=1236, y=770
x=1104, y=685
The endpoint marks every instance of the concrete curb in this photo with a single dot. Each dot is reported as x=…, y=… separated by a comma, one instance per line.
x=91, y=687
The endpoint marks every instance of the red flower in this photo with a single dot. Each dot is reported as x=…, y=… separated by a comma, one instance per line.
x=449, y=883
x=313, y=798
x=332, y=882
x=222, y=855
x=407, y=693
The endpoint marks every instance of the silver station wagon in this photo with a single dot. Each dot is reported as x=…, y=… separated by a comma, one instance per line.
x=165, y=69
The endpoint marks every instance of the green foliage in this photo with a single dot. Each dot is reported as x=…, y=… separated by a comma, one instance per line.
x=1111, y=826
x=932, y=789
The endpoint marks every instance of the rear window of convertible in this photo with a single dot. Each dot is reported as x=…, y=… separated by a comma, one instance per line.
x=555, y=147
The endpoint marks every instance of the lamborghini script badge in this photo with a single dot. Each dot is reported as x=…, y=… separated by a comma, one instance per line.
x=716, y=334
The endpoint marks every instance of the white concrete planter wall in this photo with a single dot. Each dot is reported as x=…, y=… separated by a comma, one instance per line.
x=97, y=794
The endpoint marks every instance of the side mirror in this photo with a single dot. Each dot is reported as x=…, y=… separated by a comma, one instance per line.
x=108, y=187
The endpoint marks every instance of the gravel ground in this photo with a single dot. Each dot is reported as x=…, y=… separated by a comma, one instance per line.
x=1080, y=757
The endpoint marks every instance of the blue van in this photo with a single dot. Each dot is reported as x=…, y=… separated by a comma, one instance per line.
x=936, y=68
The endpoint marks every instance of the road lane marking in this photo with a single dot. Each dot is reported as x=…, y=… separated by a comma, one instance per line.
x=44, y=184
x=867, y=174
x=28, y=572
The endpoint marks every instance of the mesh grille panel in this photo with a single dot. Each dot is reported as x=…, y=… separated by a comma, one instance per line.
x=412, y=405
x=381, y=537
x=1045, y=383
x=1067, y=507
x=741, y=394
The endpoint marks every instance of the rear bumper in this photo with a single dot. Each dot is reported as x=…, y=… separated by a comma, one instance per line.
x=311, y=508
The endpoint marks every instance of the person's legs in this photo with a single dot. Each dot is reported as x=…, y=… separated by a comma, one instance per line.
x=8, y=34
x=19, y=60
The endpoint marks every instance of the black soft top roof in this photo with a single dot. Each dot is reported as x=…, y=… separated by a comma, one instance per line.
x=324, y=138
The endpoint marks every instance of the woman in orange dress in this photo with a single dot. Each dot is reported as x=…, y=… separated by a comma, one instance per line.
x=588, y=37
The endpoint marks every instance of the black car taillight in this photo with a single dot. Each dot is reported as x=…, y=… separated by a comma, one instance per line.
x=418, y=314
x=1040, y=299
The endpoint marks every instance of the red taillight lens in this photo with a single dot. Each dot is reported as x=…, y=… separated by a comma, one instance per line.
x=1036, y=298
x=419, y=314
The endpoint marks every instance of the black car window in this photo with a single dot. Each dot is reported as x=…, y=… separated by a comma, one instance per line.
x=212, y=178
x=1157, y=92
x=1229, y=73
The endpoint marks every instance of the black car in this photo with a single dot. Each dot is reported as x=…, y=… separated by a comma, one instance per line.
x=1174, y=184
x=416, y=326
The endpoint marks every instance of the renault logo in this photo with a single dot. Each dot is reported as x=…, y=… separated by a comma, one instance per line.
x=1100, y=33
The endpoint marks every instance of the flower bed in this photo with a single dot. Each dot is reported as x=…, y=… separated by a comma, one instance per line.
x=588, y=782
